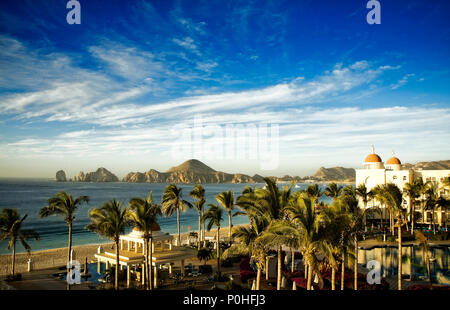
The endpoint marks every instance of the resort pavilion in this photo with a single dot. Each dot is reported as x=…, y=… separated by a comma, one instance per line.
x=131, y=254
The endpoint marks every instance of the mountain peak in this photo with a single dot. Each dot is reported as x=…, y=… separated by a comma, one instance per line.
x=193, y=165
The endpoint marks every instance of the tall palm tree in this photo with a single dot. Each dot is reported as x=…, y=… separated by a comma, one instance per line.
x=214, y=216
x=110, y=221
x=314, y=192
x=64, y=205
x=266, y=203
x=11, y=227
x=395, y=199
x=198, y=193
x=422, y=188
x=172, y=202
x=338, y=236
x=363, y=193
x=431, y=197
x=144, y=215
x=312, y=232
x=411, y=190
x=277, y=234
x=350, y=204
x=333, y=190
x=226, y=200
x=247, y=236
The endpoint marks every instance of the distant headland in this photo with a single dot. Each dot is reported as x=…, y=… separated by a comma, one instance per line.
x=194, y=171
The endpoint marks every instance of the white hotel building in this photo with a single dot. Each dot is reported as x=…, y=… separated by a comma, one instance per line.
x=376, y=172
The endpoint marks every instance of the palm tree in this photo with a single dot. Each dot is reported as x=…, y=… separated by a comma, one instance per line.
x=277, y=234
x=11, y=227
x=364, y=194
x=110, y=221
x=64, y=205
x=144, y=216
x=312, y=233
x=247, y=235
x=350, y=204
x=267, y=204
x=226, y=200
x=204, y=254
x=338, y=236
x=411, y=190
x=214, y=216
x=395, y=199
x=172, y=202
x=198, y=193
x=431, y=197
x=333, y=190
x=314, y=192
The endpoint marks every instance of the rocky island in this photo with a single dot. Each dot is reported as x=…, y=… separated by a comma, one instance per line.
x=191, y=171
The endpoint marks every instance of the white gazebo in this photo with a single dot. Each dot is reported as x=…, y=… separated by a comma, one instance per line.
x=131, y=254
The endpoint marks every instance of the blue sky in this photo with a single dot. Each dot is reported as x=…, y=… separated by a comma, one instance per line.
x=112, y=91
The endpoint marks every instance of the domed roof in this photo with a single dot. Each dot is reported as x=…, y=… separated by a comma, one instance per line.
x=373, y=158
x=393, y=161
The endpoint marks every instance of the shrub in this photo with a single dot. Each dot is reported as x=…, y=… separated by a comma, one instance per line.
x=17, y=277
x=227, y=262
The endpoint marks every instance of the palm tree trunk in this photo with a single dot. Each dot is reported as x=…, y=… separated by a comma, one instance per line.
x=399, y=257
x=116, y=284
x=258, y=278
x=178, y=227
x=199, y=229
x=69, y=257
x=230, y=225
x=412, y=217
x=279, y=269
x=145, y=270
x=204, y=232
x=333, y=279
x=356, y=264
x=308, y=285
x=150, y=249
x=342, y=271
x=13, y=259
x=292, y=259
x=365, y=219
x=218, y=251
x=306, y=268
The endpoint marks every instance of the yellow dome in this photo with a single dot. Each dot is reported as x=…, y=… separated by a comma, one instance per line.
x=393, y=161
x=373, y=158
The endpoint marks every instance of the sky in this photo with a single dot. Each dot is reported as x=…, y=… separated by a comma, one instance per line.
x=126, y=88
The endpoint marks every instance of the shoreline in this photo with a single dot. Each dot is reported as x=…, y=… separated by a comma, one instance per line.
x=50, y=258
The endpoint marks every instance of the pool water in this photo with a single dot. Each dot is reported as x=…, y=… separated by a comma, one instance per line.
x=413, y=262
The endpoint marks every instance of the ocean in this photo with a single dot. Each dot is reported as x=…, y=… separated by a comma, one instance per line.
x=28, y=196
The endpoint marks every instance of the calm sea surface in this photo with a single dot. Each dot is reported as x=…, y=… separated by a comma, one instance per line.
x=28, y=196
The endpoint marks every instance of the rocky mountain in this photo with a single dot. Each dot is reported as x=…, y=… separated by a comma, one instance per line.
x=60, y=176
x=429, y=165
x=101, y=175
x=335, y=174
x=191, y=171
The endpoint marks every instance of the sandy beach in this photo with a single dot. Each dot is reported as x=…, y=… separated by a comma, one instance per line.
x=58, y=257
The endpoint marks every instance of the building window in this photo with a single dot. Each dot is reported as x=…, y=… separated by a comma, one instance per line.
x=394, y=177
x=404, y=178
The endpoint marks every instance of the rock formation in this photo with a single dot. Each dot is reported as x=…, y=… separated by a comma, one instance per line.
x=191, y=171
x=60, y=176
